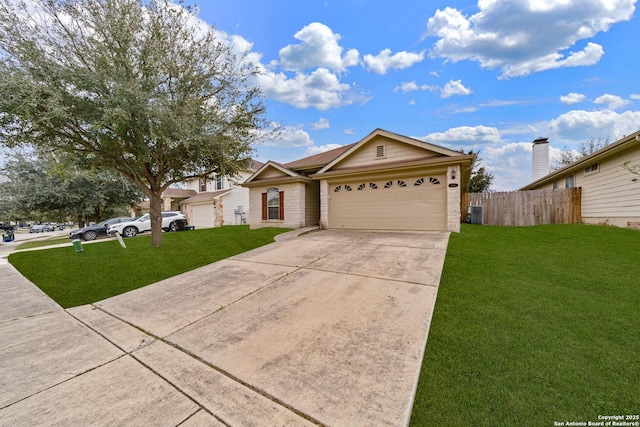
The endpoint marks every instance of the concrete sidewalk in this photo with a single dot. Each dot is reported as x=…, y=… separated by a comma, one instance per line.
x=328, y=328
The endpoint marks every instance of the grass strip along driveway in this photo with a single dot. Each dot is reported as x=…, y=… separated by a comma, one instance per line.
x=106, y=269
x=533, y=326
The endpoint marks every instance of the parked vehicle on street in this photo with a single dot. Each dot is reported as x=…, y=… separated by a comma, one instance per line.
x=92, y=232
x=41, y=228
x=170, y=222
x=4, y=226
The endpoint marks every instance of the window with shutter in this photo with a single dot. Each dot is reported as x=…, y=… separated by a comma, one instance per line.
x=274, y=204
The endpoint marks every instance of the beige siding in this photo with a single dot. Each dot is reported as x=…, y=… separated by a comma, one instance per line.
x=312, y=204
x=238, y=196
x=394, y=151
x=271, y=172
x=193, y=184
x=608, y=195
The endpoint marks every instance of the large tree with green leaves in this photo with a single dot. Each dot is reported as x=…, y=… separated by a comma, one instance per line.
x=480, y=179
x=46, y=187
x=141, y=87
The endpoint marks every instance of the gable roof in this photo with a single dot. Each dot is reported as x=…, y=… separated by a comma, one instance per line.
x=208, y=195
x=177, y=193
x=607, y=151
x=303, y=170
x=254, y=165
x=289, y=175
x=317, y=160
x=442, y=151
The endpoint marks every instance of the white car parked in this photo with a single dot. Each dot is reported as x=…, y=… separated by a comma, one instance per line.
x=141, y=224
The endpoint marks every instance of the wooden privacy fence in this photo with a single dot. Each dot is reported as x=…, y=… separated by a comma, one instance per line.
x=523, y=208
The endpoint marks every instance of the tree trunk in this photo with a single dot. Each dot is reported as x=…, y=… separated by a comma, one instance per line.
x=155, y=211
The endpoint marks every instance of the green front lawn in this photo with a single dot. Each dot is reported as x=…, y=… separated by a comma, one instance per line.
x=106, y=269
x=534, y=326
x=45, y=242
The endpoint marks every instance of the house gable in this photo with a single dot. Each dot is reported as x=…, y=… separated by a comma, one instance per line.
x=382, y=148
x=273, y=172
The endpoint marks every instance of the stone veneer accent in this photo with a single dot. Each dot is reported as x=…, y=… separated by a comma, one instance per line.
x=294, y=206
x=453, y=200
x=324, y=204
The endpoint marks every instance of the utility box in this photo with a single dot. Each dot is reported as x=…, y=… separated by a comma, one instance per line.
x=475, y=215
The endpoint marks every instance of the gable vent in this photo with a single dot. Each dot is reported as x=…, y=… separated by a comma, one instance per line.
x=379, y=151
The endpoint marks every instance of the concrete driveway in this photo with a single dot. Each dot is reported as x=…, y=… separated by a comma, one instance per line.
x=327, y=328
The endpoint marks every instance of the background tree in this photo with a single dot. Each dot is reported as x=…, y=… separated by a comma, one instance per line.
x=141, y=87
x=43, y=187
x=568, y=156
x=480, y=179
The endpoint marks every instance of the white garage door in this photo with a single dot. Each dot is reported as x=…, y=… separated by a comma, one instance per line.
x=415, y=203
x=202, y=216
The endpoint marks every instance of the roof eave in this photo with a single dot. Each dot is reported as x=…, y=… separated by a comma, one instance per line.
x=413, y=164
x=276, y=180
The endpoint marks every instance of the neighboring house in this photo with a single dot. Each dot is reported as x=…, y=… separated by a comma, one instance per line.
x=609, y=196
x=171, y=198
x=218, y=200
x=385, y=181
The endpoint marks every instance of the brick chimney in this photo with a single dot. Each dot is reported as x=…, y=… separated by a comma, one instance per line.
x=540, y=158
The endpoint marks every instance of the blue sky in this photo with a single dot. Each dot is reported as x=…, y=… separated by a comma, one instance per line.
x=488, y=75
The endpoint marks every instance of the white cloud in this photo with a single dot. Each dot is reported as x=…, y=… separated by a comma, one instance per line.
x=464, y=136
x=321, y=124
x=348, y=131
x=613, y=102
x=384, y=61
x=510, y=163
x=526, y=36
x=413, y=86
x=321, y=149
x=581, y=125
x=290, y=136
x=634, y=96
x=318, y=48
x=454, y=87
x=572, y=98
x=412, y=102
x=320, y=89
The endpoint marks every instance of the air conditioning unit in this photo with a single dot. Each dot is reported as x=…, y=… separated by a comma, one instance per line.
x=475, y=214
